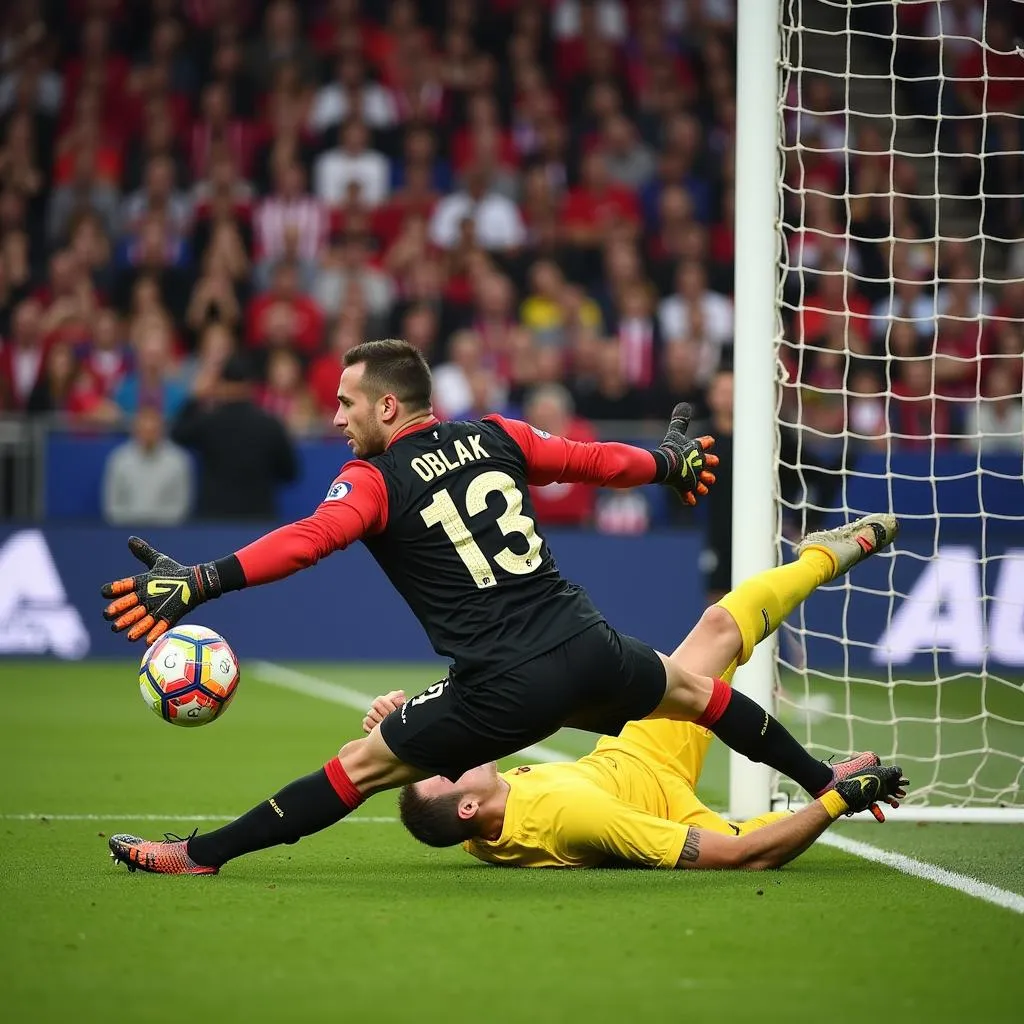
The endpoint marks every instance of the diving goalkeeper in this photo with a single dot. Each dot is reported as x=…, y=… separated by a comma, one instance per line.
x=633, y=797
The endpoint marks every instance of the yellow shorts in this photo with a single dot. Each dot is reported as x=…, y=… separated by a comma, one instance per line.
x=673, y=753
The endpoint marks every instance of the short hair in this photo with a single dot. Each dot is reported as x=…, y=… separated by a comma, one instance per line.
x=434, y=820
x=393, y=367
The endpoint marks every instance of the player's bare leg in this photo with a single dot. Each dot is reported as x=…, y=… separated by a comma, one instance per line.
x=310, y=804
x=729, y=631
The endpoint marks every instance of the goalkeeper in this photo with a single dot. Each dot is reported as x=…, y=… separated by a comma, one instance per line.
x=633, y=797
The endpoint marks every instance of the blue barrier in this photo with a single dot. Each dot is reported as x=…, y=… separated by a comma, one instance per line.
x=342, y=609
x=959, y=605
x=956, y=610
x=903, y=482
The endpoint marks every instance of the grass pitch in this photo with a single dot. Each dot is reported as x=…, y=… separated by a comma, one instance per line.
x=361, y=923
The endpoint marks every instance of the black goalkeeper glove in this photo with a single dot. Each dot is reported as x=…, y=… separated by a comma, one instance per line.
x=155, y=600
x=685, y=464
x=863, y=791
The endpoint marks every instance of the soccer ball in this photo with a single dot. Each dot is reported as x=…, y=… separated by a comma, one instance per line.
x=189, y=675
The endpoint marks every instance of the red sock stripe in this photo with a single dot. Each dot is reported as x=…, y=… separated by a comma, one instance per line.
x=721, y=694
x=343, y=785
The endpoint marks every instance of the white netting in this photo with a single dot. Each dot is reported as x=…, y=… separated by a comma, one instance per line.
x=900, y=340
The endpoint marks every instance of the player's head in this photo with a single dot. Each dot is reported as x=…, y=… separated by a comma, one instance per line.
x=439, y=812
x=384, y=385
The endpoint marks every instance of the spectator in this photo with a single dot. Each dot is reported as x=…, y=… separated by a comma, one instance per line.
x=244, y=453
x=217, y=124
x=346, y=266
x=290, y=223
x=69, y=297
x=158, y=196
x=307, y=320
x=630, y=162
x=222, y=180
x=83, y=192
x=492, y=313
x=487, y=394
x=550, y=408
x=203, y=371
x=22, y=356
x=547, y=309
x=597, y=205
x=639, y=336
x=31, y=84
x=91, y=249
x=161, y=259
x=325, y=371
x=918, y=417
x=352, y=161
x=420, y=329
x=19, y=166
x=496, y=222
x=280, y=45
x=866, y=416
x=352, y=94
x=612, y=396
x=995, y=422
x=147, y=481
x=451, y=394
x=285, y=394
x=213, y=299
x=65, y=388
x=154, y=381
x=158, y=137
x=678, y=380
x=106, y=356
x=692, y=299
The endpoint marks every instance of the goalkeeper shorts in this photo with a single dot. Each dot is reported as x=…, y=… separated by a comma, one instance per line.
x=597, y=680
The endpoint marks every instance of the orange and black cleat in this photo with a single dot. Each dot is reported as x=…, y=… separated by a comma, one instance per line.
x=844, y=769
x=166, y=857
x=863, y=790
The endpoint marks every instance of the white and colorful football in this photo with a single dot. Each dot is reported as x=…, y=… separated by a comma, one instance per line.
x=189, y=675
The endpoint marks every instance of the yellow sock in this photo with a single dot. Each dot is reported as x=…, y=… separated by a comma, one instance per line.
x=760, y=604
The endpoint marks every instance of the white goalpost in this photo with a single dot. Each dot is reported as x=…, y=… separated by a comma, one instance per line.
x=879, y=348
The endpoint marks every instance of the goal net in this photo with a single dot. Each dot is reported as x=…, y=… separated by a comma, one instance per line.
x=900, y=318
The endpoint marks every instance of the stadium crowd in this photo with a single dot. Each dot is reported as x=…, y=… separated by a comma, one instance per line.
x=536, y=193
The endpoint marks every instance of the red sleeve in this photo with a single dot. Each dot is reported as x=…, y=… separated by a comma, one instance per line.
x=356, y=506
x=605, y=463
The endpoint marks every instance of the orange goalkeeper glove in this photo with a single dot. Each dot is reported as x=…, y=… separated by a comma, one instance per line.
x=151, y=602
x=685, y=464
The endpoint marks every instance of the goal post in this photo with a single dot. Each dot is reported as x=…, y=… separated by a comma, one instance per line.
x=757, y=260
x=878, y=360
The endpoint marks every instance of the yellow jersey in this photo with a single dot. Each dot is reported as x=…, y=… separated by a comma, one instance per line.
x=632, y=800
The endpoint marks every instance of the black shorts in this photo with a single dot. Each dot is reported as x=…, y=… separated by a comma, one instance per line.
x=598, y=680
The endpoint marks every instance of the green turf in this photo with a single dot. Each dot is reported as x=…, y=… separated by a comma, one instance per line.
x=362, y=924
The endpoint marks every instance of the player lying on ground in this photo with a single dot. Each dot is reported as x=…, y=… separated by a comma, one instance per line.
x=445, y=510
x=633, y=798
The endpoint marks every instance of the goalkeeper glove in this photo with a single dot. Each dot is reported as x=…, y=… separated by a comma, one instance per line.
x=861, y=792
x=151, y=602
x=685, y=464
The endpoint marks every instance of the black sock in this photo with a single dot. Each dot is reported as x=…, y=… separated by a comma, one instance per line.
x=303, y=807
x=746, y=727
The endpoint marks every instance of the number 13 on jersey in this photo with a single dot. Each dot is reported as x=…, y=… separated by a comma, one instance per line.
x=443, y=512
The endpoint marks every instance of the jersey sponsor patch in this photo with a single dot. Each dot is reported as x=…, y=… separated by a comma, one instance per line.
x=541, y=433
x=339, y=489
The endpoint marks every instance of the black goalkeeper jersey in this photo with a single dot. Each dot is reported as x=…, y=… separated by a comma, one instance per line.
x=461, y=545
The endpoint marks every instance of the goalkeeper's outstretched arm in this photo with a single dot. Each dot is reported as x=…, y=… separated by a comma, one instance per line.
x=680, y=463
x=149, y=603
x=782, y=841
